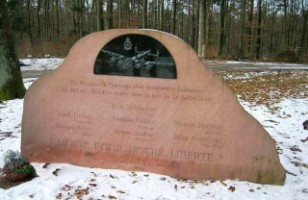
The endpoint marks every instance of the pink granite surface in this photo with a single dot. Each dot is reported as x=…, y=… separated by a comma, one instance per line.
x=191, y=127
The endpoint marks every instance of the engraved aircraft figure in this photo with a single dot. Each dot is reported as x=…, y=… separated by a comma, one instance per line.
x=127, y=64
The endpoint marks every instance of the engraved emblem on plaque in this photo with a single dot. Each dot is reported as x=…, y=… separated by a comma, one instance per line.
x=128, y=44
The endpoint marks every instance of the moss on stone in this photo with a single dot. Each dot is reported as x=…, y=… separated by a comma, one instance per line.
x=271, y=177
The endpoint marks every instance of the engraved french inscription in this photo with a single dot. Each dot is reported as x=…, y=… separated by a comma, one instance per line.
x=73, y=121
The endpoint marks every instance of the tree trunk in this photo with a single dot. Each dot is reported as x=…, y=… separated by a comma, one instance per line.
x=120, y=14
x=182, y=23
x=222, y=28
x=52, y=21
x=29, y=21
x=80, y=19
x=304, y=31
x=191, y=20
x=228, y=41
x=89, y=16
x=272, y=48
x=160, y=14
x=145, y=14
x=133, y=9
x=292, y=24
x=39, y=4
x=128, y=13
x=109, y=14
x=250, y=25
x=47, y=11
x=99, y=16
x=258, y=43
x=173, y=16
x=58, y=20
x=210, y=26
x=11, y=85
x=156, y=15
x=201, y=45
x=286, y=22
x=196, y=25
x=243, y=22
x=21, y=21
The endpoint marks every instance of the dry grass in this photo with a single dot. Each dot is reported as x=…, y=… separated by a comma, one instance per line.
x=267, y=88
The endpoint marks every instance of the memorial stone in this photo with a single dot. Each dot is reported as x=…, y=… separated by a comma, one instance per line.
x=141, y=100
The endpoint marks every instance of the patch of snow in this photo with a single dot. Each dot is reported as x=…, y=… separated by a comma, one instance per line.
x=282, y=64
x=40, y=63
x=28, y=82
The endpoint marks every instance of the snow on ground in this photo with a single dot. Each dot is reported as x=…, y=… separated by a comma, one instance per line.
x=275, y=64
x=249, y=65
x=65, y=181
x=246, y=75
x=40, y=63
x=280, y=64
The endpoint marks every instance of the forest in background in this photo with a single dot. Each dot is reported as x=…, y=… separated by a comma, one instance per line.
x=225, y=29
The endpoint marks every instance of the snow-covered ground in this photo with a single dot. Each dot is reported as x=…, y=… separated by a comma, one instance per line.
x=279, y=64
x=283, y=121
x=40, y=63
x=33, y=68
x=219, y=65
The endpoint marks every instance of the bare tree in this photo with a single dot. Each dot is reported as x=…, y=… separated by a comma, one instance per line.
x=160, y=14
x=109, y=15
x=201, y=34
x=258, y=43
x=99, y=16
x=120, y=14
x=29, y=28
x=222, y=27
x=57, y=20
x=250, y=26
x=174, y=11
x=38, y=18
x=304, y=35
x=243, y=23
x=128, y=13
x=145, y=14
